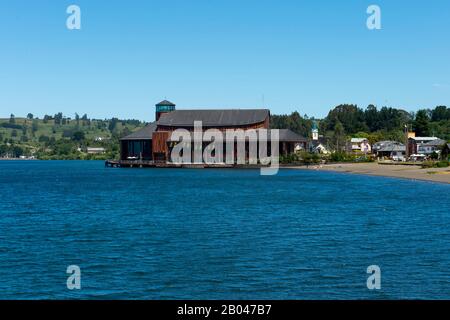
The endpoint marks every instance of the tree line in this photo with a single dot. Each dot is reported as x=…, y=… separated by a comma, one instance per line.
x=377, y=124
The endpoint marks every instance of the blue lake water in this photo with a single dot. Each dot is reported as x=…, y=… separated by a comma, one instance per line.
x=216, y=234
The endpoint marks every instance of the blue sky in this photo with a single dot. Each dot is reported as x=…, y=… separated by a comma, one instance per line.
x=299, y=55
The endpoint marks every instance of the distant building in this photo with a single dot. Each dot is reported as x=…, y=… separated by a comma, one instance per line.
x=90, y=150
x=153, y=142
x=359, y=145
x=99, y=139
x=315, y=131
x=321, y=149
x=389, y=149
x=417, y=145
x=431, y=147
x=318, y=142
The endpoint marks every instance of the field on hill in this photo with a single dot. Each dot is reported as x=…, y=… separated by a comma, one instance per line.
x=59, y=137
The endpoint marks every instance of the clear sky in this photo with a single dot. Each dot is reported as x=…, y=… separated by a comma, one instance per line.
x=285, y=55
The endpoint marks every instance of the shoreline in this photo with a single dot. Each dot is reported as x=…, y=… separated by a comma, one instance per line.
x=409, y=172
x=440, y=175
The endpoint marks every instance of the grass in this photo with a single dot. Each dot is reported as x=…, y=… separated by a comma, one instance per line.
x=60, y=142
x=97, y=128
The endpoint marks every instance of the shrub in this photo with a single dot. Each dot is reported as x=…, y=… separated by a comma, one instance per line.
x=428, y=164
x=309, y=158
x=78, y=136
x=12, y=126
x=44, y=138
x=290, y=158
x=338, y=156
x=434, y=155
x=443, y=164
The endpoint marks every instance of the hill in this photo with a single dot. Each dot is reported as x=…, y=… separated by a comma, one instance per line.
x=59, y=137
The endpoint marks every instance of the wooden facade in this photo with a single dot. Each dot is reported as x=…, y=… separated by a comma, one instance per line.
x=159, y=145
x=153, y=144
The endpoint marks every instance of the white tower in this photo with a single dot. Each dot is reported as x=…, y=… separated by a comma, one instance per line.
x=315, y=131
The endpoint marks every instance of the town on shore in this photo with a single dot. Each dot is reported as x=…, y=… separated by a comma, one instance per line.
x=348, y=134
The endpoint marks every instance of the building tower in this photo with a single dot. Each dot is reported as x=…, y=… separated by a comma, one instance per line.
x=163, y=107
x=315, y=131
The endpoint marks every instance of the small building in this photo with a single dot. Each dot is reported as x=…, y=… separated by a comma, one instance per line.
x=416, y=145
x=153, y=142
x=91, y=150
x=318, y=142
x=315, y=131
x=100, y=139
x=430, y=147
x=359, y=145
x=389, y=149
x=320, y=149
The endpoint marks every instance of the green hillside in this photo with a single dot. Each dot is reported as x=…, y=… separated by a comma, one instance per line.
x=59, y=137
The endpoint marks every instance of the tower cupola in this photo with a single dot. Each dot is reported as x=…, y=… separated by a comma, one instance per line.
x=163, y=107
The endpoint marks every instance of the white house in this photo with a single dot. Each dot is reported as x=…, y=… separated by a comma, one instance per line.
x=359, y=145
x=430, y=147
x=95, y=150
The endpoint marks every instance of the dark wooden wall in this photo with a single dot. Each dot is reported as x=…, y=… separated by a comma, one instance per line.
x=159, y=142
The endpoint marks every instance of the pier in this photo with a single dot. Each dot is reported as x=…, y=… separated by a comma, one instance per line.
x=160, y=164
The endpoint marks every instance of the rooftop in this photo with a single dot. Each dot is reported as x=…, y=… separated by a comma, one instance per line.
x=142, y=134
x=214, y=118
x=165, y=103
x=358, y=140
x=436, y=142
x=424, y=138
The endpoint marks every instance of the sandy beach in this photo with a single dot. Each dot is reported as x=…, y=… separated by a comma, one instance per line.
x=398, y=171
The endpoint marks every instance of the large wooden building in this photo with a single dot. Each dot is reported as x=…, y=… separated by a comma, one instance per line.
x=152, y=144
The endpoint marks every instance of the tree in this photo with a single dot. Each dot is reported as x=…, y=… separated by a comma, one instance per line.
x=371, y=117
x=112, y=124
x=58, y=118
x=339, y=135
x=440, y=113
x=12, y=119
x=44, y=139
x=30, y=116
x=77, y=119
x=422, y=123
x=34, y=127
x=86, y=120
x=78, y=136
x=350, y=116
x=17, y=151
x=46, y=118
x=294, y=122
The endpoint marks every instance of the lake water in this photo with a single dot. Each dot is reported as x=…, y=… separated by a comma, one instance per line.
x=216, y=234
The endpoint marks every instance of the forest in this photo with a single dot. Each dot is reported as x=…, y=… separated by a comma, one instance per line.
x=63, y=137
